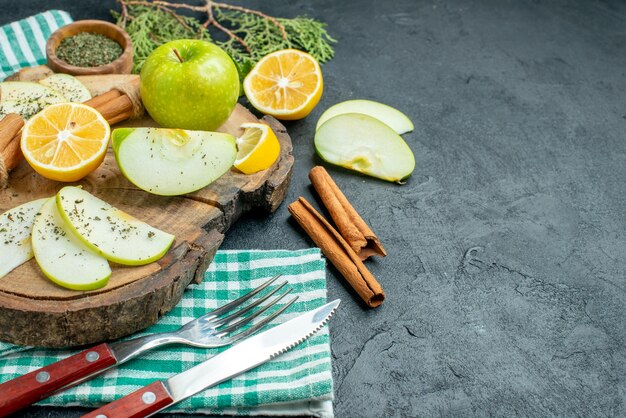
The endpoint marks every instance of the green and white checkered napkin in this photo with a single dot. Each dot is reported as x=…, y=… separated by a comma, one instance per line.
x=23, y=43
x=298, y=382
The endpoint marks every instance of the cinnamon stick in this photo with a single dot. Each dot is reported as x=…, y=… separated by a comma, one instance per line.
x=103, y=98
x=114, y=110
x=352, y=227
x=10, y=152
x=10, y=126
x=338, y=251
x=10, y=157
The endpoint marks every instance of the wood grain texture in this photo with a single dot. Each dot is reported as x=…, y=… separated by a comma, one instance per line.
x=34, y=311
x=122, y=65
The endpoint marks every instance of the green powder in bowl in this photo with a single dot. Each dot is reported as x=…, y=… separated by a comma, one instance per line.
x=88, y=49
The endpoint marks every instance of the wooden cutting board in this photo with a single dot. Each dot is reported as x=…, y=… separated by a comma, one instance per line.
x=35, y=311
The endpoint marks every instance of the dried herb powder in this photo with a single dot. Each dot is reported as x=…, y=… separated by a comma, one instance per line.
x=88, y=49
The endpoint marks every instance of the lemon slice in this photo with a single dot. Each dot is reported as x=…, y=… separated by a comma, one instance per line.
x=286, y=84
x=65, y=141
x=257, y=149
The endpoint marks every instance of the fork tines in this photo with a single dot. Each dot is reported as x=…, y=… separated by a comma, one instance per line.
x=227, y=319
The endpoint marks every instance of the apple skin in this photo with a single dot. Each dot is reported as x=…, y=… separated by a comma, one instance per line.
x=199, y=93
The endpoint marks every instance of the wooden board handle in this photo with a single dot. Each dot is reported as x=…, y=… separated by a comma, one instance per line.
x=139, y=404
x=41, y=383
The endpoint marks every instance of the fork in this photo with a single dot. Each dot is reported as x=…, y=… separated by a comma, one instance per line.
x=216, y=328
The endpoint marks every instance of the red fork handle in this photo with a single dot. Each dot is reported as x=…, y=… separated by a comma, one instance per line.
x=139, y=404
x=41, y=383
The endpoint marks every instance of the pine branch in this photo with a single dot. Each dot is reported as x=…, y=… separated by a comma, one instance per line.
x=251, y=34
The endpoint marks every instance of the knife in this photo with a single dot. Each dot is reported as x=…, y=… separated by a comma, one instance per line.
x=242, y=357
x=32, y=387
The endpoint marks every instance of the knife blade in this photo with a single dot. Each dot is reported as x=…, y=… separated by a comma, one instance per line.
x=242, y=357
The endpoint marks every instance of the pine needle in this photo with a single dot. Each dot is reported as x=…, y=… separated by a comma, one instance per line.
x=153, y=23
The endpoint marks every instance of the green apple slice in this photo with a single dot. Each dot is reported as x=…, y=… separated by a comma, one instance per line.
x=26, y=98
x=364, y=144
x=110, y=232
x=62, y=257
x=69, y=86
x=27, y=90
x=16, y=226
x=171, y=162
x=390, y=116
x=22, y=108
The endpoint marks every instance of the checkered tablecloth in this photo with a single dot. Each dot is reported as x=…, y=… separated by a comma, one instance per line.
x=296, y=383
x=23, y=43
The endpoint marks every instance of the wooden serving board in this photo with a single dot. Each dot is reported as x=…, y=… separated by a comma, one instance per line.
x=35, y=311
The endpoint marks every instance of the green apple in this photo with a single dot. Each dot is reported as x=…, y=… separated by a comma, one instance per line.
x=364, y=144
x=172, y=162
x=62, y=257
x=114, y=234
x=16, y=226
x=189, y=84
x=69, y=86
x=390, y=116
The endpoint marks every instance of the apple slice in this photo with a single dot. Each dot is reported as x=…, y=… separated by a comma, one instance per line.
x=110, y=232
x=391, y=117
x=364, y=144
x=69, y=86
x=171, y=162
x=26, y=98
x=62, y=257
x=16, y=225
x=22, y=108
x=27, y=90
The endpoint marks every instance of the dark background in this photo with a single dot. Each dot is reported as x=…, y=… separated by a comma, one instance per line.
x=506, y=273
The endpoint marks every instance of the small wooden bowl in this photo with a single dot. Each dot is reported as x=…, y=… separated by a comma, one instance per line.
x=122, y=65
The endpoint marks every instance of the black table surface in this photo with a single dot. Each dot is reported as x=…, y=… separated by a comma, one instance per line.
x=506, y=273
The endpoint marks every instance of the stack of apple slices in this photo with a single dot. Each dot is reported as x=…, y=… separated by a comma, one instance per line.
x=74, y=235
x=364, y=136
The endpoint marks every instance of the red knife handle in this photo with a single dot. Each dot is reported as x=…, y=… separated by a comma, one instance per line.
x=41, y=383
x=139, y=404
